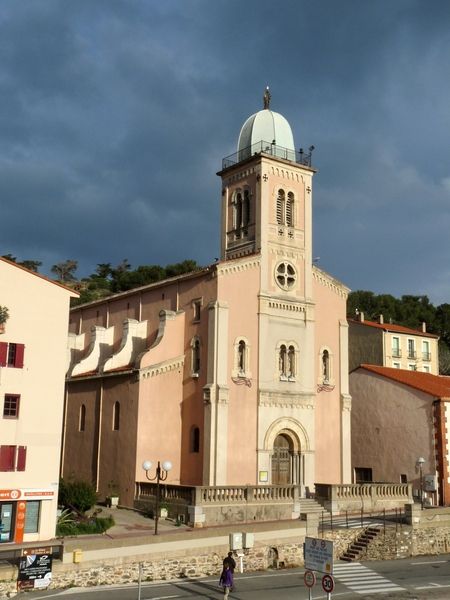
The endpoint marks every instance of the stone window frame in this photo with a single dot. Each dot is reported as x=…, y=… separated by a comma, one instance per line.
x=322, y=380
x=290, y=370
x=287, y=287
x=196, y=345
x=237, y=371
x=196, y=305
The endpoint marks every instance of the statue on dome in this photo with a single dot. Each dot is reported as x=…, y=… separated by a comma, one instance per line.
x=266, y=98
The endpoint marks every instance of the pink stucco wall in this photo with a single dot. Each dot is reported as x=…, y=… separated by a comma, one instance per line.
x=392, y=425
x=330, y=308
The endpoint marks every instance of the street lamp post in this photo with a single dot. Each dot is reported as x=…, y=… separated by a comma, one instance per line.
x=161, y=475
x=420, y=463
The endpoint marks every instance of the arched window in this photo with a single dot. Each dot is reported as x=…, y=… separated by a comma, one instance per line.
x=290, y=210
x=246, y=209
x=282, y=361
x=82, y=418
x=116, y=416
x=280, y=207
x=241, y=360
x=326, y=366
x=195, y=439
x=238, y=209
x=242, y=357
x=195, y=356
x=291, y=362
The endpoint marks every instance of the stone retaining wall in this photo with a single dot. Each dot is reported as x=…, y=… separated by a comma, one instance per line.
x=184, y=566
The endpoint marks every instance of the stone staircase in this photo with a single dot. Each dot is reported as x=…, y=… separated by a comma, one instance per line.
x=357, y=548
x=309, y=505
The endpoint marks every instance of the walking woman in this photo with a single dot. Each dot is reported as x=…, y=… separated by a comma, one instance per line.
x=226, y=581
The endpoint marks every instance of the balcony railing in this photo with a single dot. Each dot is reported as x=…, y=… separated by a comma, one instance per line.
x=396, y=353
x=426, y=356
x=299, y=156
x=412, y=354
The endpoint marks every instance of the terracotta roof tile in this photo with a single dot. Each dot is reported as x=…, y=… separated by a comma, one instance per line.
x=394, y=328
x=435, y=385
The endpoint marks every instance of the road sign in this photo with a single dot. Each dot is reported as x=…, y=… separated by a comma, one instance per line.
x=319, y=555
x=327, y=583
x=309, y=578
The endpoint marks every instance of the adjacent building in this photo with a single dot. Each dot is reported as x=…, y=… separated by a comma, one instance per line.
x=390, y=345
x=399, y=416
x=33, y=347
x=237, y=373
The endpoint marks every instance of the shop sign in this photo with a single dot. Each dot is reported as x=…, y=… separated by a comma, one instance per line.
x=35, y=568
x=24, y=494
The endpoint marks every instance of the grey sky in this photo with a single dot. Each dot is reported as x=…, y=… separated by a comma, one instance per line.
x=115, y=115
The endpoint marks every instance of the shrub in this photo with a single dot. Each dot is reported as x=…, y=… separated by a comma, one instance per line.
x=95, y=525
x=77, y=494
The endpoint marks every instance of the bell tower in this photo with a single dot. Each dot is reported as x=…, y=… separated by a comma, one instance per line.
x=267, y=213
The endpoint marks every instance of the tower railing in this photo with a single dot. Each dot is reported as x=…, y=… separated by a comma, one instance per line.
x=299, y=156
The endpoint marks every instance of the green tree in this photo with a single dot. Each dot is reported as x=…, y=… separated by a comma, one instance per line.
x=65, y=271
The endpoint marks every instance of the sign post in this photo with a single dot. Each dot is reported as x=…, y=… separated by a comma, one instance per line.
x=319, y=557
x=35, y=569
x=328, y=585
x=310, y=580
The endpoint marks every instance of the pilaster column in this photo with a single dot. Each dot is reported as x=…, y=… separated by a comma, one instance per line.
x=346, y=405
x=215, y=397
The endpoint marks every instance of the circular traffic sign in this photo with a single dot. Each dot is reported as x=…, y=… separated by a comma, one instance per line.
x=327, y=583
x=309, y=578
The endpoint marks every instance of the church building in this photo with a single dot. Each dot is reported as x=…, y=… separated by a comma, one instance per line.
x=236, y=373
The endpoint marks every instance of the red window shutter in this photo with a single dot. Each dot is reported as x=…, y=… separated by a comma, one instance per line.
x=21, y=458
x=20, y=349
x=3, y=353
x=7, y=458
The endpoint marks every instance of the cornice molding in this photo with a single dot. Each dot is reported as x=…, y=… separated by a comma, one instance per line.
x=161, y=368
x=286, y=400
x=328, y=281
x=238, y=266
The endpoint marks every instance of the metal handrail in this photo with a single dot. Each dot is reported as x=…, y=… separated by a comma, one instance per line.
x=299, y=156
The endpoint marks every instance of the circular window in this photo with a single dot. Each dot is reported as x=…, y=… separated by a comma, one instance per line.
x=286, y=275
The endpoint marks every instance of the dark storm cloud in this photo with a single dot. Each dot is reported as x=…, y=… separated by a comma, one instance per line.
x=115, y=116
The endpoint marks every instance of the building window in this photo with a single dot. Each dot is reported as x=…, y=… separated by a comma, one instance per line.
x=195, y=439
x=242, y=357
x=11, y=355
x=286, y=275
x=196, y=307
x=116, y=416
x=82, y=418
x=195, y=345
x=287, y=362
x=290, y=210
x=426, y=355
x=13, y=458
x=241, y=361
x=396, y=353
x=412, y=367
x=326, y=366
x=32, y=516
x=396, y=365
x=363, y=475
x=11, y=406
x=282, y=362
x=426, y=368
x=411, y=348
x=281, y=202
x=403, y=478
x=8, y=458
x=291, y=362
x=246, y=209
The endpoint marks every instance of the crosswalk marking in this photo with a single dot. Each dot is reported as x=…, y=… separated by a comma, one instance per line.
x=362, y=580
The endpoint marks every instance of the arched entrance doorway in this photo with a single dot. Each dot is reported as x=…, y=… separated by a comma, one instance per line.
x=285, y=461
x=281, y=460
